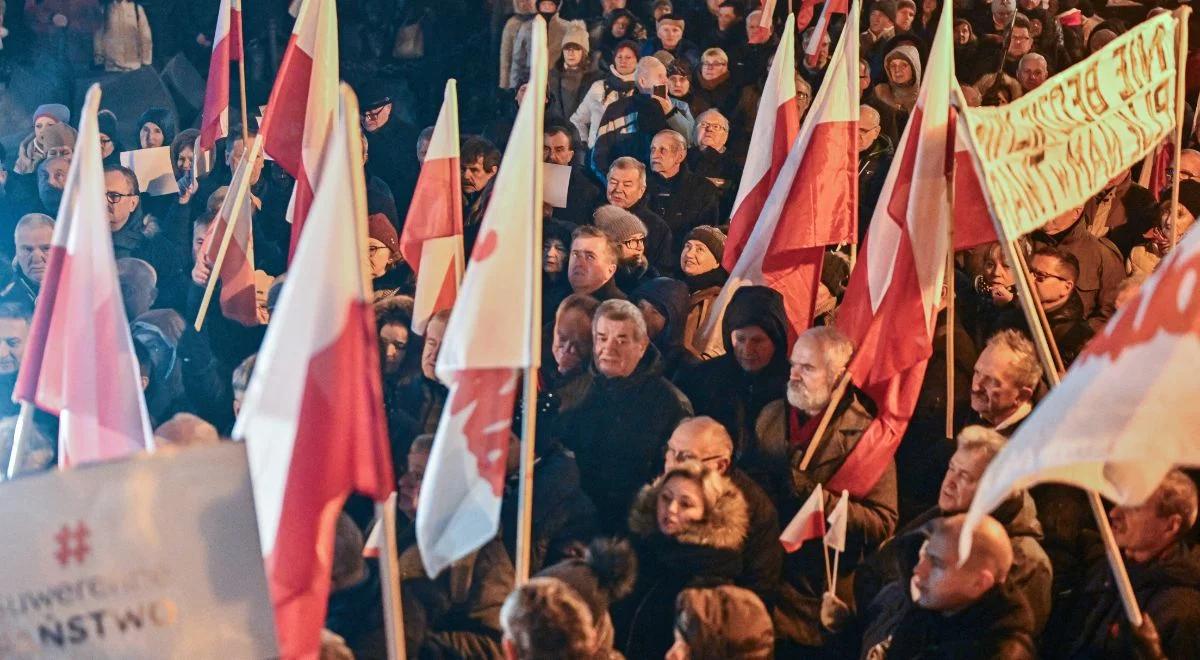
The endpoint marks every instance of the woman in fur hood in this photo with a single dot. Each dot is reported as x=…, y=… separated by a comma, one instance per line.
x=689, y=528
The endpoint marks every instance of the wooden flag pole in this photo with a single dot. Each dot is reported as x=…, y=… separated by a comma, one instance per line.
x=389, y=574
x=242, y=78
x=1180, y=57
x=948, y=281
x=240, y=190
x=835, y=398
x=20, y=437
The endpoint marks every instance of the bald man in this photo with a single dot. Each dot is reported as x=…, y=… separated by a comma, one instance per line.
x=1032, y=71
x=967, y=611
x=705, y=439
x=875, y=151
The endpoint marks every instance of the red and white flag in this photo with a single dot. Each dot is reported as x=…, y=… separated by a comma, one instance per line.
x=808, y=523
x=813, y=202
x=313, y=418
x=303, y=105
x=836, y=536
x=891, y=304
x=493, y=333
x=972, y=219
x=79, y=362
x=1126, y=413
x=775, y=129
x=432, y=240
x=227, y=48
x=821, y=29
x=239, y=293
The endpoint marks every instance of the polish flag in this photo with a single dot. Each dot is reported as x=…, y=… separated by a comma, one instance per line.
x=822, y=29
x=775, y=130
x=227, y=48
x=836, y=536
x=79, y=362
x=891, y=304
x=313, y=418
x=972, y=219
x=493, y=333
x=303, y=105
x=808, y=524
x=813, y=203
x=432, y=240
x=239, y=293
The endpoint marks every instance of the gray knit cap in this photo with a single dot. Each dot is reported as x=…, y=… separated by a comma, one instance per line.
x=618, y=223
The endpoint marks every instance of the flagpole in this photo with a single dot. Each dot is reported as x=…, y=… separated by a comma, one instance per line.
x=949, y=282
x=834, y=399
x=1025, y=297
x=20, y=437
x=242, y=77
x=1180, y=57
x=389, y=569
x=240, y=191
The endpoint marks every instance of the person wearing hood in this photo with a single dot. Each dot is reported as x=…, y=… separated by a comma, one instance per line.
x=668, y=30
x=32, y=237
x=32, y=149
x=1164, y=570
x=903, y=68
x=155, y=128
x=611, y=30
x=700, y=263
x=110, y=142
x=1031, y=574
x=734, y=388
x=523, y=12
x=617, y=83
x=556, y=30
x=683, y=199
x=629, y=234
x=689, y=529
x=663, y=302
x=628, y=410
x=572, y=75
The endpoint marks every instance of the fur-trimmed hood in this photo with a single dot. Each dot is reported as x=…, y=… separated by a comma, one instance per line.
x=727, y=519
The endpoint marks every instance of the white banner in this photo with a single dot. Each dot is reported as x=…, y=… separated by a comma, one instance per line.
x=155, y=557
x=1052, y=149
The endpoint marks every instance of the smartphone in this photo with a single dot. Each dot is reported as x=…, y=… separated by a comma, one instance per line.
x=660, y=91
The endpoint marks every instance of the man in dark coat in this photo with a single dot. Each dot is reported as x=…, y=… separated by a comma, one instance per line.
x=479, y=160
x=392, y=143
x=619, y=429
x=1163, y=569
x=32, y=238
x=593, y=262
x=582, y=194
x=704, y=439
x=1055, y=273
x=684, y=200
x=733, y=388
x=629, y=123
x=1101, y=267
x=627, y=190
x=875, y=151
x=131, y=240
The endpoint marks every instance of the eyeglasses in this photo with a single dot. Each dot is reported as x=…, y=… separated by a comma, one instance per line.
x=372, y=249
x=374, y=114
x=713, y=65
x=56, y=152
x=680, y=456
x=635, y=243
x=714, y=128
x=113, y=196
x=104, y=141
x=802, y=95
x=1042, y=276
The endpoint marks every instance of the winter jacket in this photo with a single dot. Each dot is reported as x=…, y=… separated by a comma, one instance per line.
x=565, y=90
x=684, y=201
x=562, y=514
x=356, y=613
x=670, y=298
x=518, y=70
x=599, y=96
x=762, y=559
x=707, y=554
x=873, y=166
x=1167, y=589
x=1101, y=269
x=901, y=98
x=508, y=38
x=629, y=124
x=583, y=196
x=123, y=43
x=705, y=288
x=618, y=432
x=660, y=239
x=392, y=156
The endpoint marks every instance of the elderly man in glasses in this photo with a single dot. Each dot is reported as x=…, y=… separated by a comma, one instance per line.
x=683, y=199
x=130, y=239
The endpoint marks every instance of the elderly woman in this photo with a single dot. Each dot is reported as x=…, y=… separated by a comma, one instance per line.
x=700, y=262
x=689, y=529
x=903, y=68
x=33, y=149
x=383, y=255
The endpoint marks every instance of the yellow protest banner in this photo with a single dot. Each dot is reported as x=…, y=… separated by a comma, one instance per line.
x=1052, y=149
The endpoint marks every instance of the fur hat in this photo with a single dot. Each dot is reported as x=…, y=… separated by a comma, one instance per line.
x=577, y=35
x=618, y=223
x=711, y=237
x=56, y=111
x=604, y=575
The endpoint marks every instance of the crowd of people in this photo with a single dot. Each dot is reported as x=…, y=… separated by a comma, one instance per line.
x=665, y=468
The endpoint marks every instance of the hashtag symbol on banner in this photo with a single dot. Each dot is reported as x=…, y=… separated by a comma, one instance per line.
x=72, y=543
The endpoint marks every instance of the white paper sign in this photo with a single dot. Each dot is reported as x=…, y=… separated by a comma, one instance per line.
x=153, y=169
x=152, y=557
x=556, y=179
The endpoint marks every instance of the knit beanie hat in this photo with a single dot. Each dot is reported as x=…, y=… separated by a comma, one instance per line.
x=108, y=123
x=381, y=229
x=724, y=622
x=618, y=223
x=160, y=117
x=58, y=135
x=711, y=237
x=605, y=575
x=888, y=7
x=56, y=111
x=679, y=67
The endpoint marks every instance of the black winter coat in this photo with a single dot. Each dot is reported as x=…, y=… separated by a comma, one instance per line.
x=684, y=202
x=562, y=513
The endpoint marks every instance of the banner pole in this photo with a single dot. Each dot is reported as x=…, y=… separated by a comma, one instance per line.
x=949, y=281
x=242, y=189
x=389, y=574
x=1180, y=57
x=242, y=77
x=1036, y=303
x=1115, y=563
